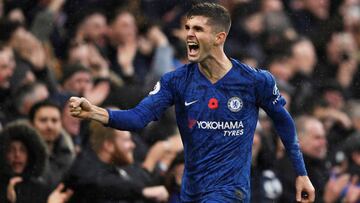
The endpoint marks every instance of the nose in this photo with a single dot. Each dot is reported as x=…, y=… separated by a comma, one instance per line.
x=190, y=33
x=17, y=154
x=49, y=124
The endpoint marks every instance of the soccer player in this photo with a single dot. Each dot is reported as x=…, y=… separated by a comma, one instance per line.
x=217, y=101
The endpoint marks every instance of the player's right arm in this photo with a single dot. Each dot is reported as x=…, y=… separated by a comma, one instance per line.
x=147, y=110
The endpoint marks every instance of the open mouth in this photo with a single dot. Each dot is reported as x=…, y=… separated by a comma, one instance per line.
x=193, y=48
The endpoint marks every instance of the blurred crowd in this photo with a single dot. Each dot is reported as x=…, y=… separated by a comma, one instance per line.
x=113, y=52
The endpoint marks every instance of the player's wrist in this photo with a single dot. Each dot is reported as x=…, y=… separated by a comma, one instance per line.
x=99, y=114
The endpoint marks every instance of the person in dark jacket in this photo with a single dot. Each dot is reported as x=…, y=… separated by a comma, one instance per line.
x=313, y=144
x=45, y=117
x=106, y=173
x=22, y=161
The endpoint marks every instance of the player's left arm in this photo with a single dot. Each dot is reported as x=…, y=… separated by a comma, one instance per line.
x=285, y=127
x=272, y=102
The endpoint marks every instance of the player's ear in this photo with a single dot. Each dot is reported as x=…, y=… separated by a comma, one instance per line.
x=220, y=38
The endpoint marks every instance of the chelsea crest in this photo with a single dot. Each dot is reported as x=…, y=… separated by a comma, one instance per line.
x=235, y=104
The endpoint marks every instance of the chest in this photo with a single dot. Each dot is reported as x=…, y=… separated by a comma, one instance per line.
x=225, y=100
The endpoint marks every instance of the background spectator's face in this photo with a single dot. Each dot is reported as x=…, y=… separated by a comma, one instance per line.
x=304, y=57
x=7, y=66
x=124, y=28
x=79, y=83
x=254, y=24
x=356, y=157
x=319, y=8
x=17, y=156
x=341, y=45
x=313, y=141
x=123, y=148
x=70, y=123
x=281, y=69
x=95, y=27
x=272, y=5
x=79, y=54
x=39, y=93
x=17, y=15
x=334, y=98
x=47, y=121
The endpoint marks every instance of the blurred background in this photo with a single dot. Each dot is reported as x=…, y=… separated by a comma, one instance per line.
x=114, y=51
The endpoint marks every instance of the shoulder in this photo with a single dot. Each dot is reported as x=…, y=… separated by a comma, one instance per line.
x=180, y=72
x=179, y=76
x=259, y=75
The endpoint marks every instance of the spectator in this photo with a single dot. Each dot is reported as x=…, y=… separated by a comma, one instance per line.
x=25, y=97
x=22, y=161
x=7, y=64
x=304, y=59
x=101, y=173
x=45, y=116
x=92, y=28
x=265, y=185
x=344, y=183
x=30, y=53
x=78, y=80
x=312, y=139
x=174, y=178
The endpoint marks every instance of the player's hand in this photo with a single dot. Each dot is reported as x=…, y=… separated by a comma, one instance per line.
x=80, y=107
x=305, y=192
x=157, y=193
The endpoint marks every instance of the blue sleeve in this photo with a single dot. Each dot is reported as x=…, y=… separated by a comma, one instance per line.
x=149, y=109
x=273, y=103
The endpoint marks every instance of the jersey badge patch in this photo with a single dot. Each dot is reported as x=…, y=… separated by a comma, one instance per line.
x=235, y=104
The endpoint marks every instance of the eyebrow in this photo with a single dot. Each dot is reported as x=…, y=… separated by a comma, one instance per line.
x=196, y=27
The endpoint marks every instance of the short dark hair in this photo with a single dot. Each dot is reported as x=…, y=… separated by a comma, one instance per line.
x=217, y=14
x=8, y=28
x=46, y=103
x=99, y=134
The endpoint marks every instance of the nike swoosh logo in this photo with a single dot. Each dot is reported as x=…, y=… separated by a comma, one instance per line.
x=189, y=103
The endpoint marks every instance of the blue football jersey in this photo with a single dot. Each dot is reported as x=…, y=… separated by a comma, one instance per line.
x=217, y=123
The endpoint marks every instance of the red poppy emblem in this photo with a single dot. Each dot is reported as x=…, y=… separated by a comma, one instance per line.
x=213, y=103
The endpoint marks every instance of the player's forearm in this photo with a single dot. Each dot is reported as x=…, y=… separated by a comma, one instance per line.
x=129, y=120
x=99, y=114
x=285, y=127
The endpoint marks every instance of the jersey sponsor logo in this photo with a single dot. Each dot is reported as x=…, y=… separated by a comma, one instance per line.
x=156, y=89
x=221, y=125
x=191, y=123
x=230, y=128
x=189, y=103
x=235, y=104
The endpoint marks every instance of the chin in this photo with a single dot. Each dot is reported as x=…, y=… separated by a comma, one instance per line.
x=193, y=59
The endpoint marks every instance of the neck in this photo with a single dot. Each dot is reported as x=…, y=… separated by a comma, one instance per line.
x=50, y=146
x=214, y=68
